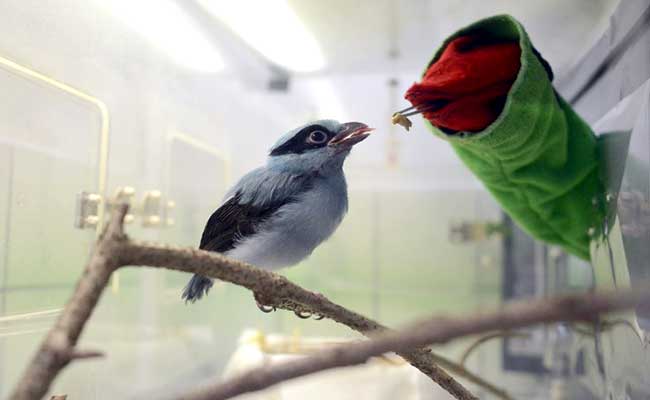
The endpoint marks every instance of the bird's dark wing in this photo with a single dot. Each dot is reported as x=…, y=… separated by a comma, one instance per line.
x=229, y=223
x=233, y=221
x=241, y=215
x=257, y=196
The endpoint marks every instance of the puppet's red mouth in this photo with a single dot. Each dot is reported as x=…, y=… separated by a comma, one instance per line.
x=466, y=88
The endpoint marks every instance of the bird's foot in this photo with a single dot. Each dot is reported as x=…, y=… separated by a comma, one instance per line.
x=302, y=314
x=263, y=305
x=265, y=308
x=308, y=314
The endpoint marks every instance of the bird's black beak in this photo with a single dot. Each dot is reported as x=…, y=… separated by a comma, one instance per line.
x=350, y=134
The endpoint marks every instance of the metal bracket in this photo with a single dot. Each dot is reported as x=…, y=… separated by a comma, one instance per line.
x=87, y=210
x=169, y=217
x=473, y=231
x=154, y=213
x=151, y=207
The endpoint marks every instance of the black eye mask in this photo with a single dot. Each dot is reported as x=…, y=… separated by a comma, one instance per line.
x=300, y=142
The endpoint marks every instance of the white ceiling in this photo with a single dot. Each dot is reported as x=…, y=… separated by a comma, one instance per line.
x=357, y=36
x=76, y=42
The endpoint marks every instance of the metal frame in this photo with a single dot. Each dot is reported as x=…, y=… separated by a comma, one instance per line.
x=101, y=107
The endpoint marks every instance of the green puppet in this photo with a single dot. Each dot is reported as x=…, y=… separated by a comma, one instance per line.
x=488, y=92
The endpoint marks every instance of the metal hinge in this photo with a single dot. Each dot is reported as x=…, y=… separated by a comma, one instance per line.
x=169, y=213
x=87, y=210
x=474, y=231
x=151, y=211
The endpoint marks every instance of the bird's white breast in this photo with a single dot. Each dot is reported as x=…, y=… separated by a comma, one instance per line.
x=298, y=228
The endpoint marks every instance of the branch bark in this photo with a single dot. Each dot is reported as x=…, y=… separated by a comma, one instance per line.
x=275, y=290
x=459, y=371
x=435, y=330
x=114, y=250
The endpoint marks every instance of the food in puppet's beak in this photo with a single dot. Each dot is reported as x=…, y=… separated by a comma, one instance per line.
x=466, y=88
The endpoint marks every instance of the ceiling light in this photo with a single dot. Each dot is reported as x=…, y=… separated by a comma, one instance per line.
x=273, y=29
x=327, y=102
x=170, y=29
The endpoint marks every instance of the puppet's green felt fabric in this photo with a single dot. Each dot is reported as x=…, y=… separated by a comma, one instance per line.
x=538, y=158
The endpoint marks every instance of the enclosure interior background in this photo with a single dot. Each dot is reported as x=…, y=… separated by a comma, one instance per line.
x=184, y=127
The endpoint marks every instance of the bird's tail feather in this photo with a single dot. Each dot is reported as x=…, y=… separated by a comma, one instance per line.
x=196, y=288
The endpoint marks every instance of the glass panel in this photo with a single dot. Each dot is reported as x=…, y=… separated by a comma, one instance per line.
x=198, y=175
x=5, y=200
x=203, y=333
x=49, y=142
x=383, y=260
x=616, y=361
x=625, y=139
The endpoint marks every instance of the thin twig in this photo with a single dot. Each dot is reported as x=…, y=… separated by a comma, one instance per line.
x=114, y=250
x=486, y=338
x=460, y=371
x=617, y=322
x=584, y=307
x=607, y=325
x=85, y=354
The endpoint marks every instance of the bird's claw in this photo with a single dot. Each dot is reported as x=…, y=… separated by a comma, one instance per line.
x=318, y=317
x=265, y=308
x=262, y=303
x=302, y=314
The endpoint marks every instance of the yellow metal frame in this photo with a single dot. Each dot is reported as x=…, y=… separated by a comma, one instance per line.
x=22, y=70
x=54, y=312
x=194, y=142
x=10, y=323
x=208, y=148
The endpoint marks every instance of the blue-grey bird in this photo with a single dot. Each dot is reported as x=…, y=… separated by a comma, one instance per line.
x=276, y=215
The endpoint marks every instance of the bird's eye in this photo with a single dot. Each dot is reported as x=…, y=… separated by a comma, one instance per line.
x=317, y=137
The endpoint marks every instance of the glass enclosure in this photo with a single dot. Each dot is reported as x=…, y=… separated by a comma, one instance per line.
x=167, y=103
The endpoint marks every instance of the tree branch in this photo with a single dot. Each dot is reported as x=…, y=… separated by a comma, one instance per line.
x=114, y=250
x=58, y=347
x=277, y=291
x=585, y=307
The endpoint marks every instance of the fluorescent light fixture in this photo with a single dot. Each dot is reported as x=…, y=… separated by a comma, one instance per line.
x=273, y=29
x=170, y=29
x=327, y=102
